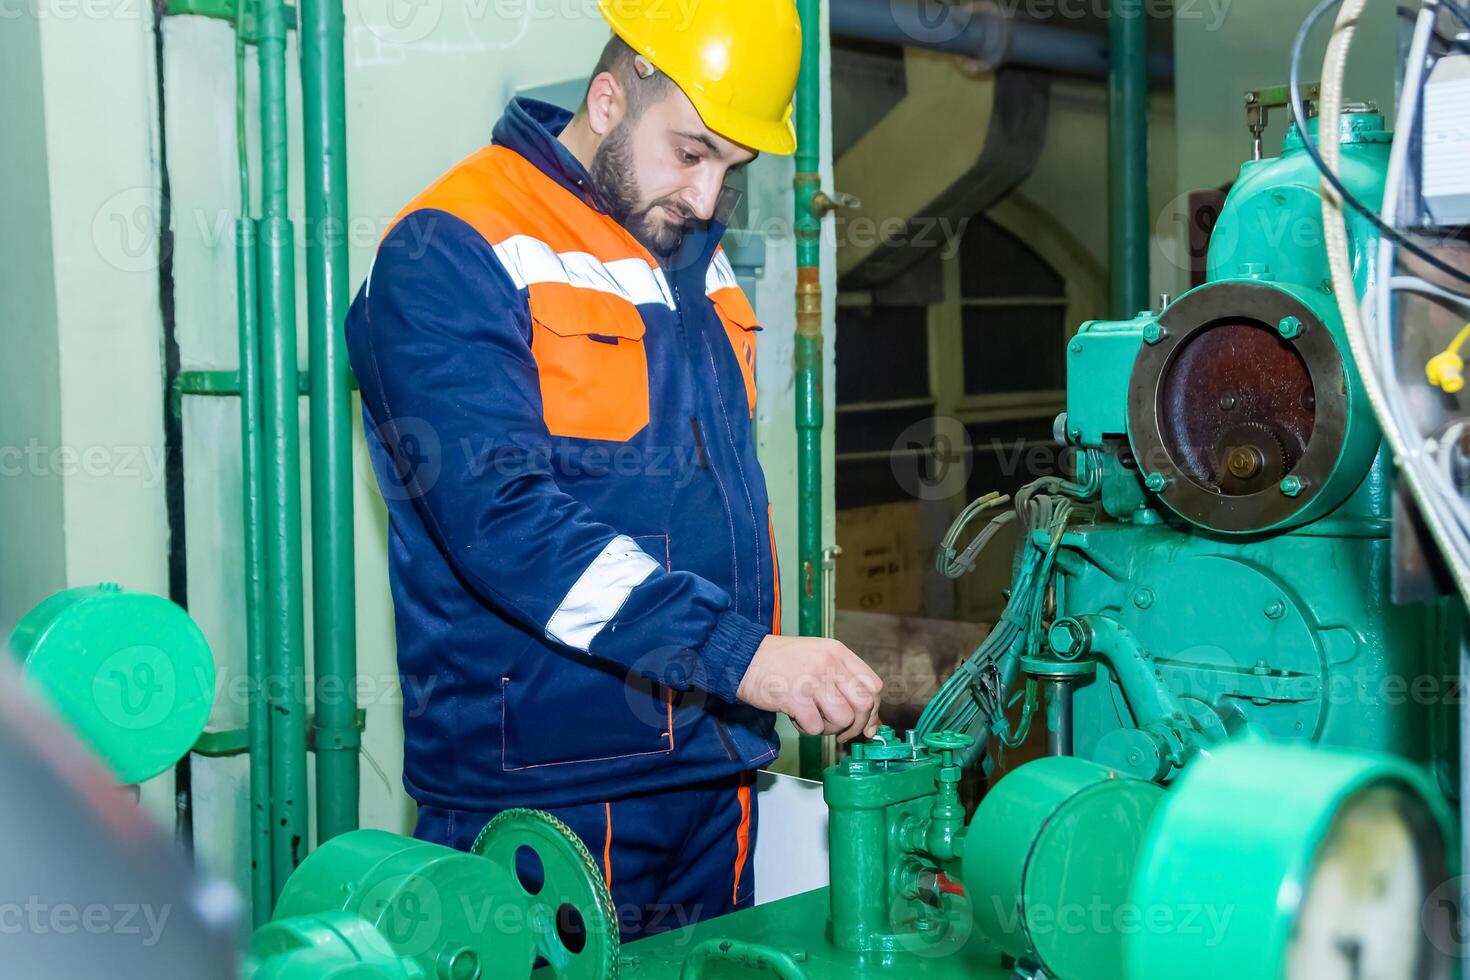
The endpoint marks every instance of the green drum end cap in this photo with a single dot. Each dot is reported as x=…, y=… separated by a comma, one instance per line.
x=129, y=672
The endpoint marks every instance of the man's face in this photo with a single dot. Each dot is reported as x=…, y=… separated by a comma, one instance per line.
x=662, y=173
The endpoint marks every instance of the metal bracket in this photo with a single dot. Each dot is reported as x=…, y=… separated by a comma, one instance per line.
x=227, y=10
x=1260, y=102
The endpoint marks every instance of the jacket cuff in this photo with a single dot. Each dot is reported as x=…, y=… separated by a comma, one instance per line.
x=727, y=654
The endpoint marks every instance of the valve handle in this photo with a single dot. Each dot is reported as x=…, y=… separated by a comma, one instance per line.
x=948, y=741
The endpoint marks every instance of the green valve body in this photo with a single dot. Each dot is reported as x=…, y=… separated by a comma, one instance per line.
x=881, y=804
x=129, y=672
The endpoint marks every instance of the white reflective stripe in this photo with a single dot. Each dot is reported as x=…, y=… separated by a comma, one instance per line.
x=529, y=260
x=595, y=598
x=367, y=285
x=721, y=274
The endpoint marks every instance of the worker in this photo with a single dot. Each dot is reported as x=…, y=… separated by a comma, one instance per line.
x=558, y=380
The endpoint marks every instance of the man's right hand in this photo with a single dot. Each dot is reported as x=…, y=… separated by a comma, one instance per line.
x=820, y=683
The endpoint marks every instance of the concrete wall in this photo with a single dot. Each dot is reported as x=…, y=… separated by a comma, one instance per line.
x=81, y=408
x=31, y=526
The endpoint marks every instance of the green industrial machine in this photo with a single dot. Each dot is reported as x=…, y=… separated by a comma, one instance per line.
x=1221, y=561
x=1241, y=781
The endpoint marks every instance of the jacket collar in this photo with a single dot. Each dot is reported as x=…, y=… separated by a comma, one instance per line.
x=530, y=128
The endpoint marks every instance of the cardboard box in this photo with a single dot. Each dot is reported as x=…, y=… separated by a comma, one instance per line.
x=882, y=566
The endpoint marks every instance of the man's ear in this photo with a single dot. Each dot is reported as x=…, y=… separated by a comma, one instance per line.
x=606, y=103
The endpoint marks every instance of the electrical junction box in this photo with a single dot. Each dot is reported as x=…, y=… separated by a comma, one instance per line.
x=1446, y=181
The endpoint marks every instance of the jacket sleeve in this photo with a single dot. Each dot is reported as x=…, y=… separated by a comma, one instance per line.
x=440, y=339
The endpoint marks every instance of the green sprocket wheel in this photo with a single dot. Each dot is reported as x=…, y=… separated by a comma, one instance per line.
x=571, y=913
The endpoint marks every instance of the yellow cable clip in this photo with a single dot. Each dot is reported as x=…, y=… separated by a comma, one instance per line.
x=1445, y=370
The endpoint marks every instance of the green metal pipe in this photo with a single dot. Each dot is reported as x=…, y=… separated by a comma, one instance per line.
x=334, y=627
x=809, y=420
x=286, y=682
x=256, y=649
x=252, y=449
x=1128, y=224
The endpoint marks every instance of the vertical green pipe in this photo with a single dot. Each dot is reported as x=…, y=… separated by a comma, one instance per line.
x=324, y=121
x=257, y=656
x=286, y=682
x=809, y=347
x=1128, y=224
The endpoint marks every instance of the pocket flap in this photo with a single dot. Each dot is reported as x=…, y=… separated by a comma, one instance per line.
x=734, y=307
x=576, y=311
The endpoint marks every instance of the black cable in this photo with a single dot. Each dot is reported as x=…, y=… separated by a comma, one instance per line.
x=1461, y=14
x=1299, y=115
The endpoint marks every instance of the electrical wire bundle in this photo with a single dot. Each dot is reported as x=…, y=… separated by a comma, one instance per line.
x=1424, y=460
x=973, y=699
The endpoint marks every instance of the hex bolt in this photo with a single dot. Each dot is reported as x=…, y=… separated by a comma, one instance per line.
x=1156, y=482
x=1290, y=328
x=1143, y=598
x=1291, y=486
x=1275, y=609
x=1153, y=333
x=1067, y=638
x=1075, y=347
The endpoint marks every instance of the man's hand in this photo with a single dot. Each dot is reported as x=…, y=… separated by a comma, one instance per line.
x=820, y=683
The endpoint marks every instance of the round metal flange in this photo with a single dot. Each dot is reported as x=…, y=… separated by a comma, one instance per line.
x=1229, y=406
x=1045, y=668
x=571, y=911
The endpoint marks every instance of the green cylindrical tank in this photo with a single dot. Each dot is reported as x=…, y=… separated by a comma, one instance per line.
x=1049, y=860
x=450, y=912
x=1288, y=862
x=330, y=946
x=129, y=672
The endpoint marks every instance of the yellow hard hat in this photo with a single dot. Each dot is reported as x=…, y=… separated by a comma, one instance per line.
x=736, y=60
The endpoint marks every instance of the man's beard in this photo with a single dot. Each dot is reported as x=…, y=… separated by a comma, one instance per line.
x=613, y=175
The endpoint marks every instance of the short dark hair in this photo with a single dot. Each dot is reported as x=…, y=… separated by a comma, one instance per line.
x=618, y=59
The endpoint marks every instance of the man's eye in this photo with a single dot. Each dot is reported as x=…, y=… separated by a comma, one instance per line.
x=686, y=157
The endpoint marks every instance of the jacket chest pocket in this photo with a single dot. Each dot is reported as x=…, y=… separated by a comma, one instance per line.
x=738, y=319
x=593, y=368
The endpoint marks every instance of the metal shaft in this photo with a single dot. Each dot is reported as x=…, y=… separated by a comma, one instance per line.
x=1059, y=718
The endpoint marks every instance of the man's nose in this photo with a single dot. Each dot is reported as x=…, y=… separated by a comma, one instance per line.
x=703, y=196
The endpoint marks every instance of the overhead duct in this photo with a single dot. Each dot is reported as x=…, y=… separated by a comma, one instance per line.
x=982, y=31
x=973, y=137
